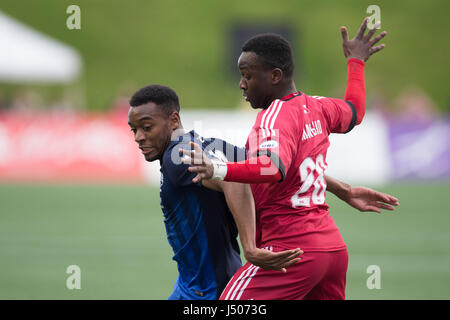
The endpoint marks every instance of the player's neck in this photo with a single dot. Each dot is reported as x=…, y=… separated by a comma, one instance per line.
x=286, y=90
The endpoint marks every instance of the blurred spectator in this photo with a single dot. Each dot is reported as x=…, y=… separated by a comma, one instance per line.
x=26, y=101
x=415, y=104
x=379, y=103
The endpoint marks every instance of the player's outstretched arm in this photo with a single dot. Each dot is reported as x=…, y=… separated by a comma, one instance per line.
x=258, y=170
x=361, y=198
x=362, y=46
x=240, y=201
x=357, y=51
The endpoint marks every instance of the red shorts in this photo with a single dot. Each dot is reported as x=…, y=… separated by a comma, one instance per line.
x=317, y=276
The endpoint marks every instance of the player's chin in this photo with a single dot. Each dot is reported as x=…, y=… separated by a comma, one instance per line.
x=253, y=104
x=151, y=157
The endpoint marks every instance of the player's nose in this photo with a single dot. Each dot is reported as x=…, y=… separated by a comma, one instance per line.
x=243, y=84
x=139, y=136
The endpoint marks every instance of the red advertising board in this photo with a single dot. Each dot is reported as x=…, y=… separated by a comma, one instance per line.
x=67, y=146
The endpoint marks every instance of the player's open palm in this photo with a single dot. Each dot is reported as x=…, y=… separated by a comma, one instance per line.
x=270, y=260
x=362, y=46
x=365, y=199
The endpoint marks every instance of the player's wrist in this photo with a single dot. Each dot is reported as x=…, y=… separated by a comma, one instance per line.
x=358, y=60
x=344, y=192
x=250, y=252
x=220, y=169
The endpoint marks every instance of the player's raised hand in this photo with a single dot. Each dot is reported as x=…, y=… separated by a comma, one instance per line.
x=198, y=161
x=270, y=260
x=365, y=199
x=362, y=46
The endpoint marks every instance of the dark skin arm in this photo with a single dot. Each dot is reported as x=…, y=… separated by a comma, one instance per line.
x=240, y=201
x=361, y=198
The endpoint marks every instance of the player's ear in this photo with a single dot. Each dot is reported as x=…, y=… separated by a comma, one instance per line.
x=174, y=120
x=277, y=76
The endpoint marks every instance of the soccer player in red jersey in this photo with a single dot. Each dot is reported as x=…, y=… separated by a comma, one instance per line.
x=286, y=162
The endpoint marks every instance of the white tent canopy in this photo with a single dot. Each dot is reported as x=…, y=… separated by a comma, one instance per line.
x=29, y=56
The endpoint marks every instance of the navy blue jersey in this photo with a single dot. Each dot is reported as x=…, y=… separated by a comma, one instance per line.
x=200, y=228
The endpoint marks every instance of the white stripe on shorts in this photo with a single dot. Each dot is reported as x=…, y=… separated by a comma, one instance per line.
x=243, y=280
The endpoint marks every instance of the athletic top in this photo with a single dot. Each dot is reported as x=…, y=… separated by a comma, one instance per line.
x=293, y=131
x=200, y=228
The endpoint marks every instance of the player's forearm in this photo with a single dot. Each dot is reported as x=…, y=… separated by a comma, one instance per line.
x=338, y=188
x=240, y=201
x=255, y=170
x=356, y=90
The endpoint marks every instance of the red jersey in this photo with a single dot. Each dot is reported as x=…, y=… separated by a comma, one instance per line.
x=293, y=132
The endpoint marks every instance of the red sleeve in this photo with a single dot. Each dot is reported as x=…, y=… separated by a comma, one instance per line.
x=343, y=114
x=356, y=90
x=271, y=146
x=256, y=170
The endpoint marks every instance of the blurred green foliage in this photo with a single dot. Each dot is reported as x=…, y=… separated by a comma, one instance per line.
x=184, y=44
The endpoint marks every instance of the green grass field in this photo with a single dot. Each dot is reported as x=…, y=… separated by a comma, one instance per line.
x=116, y=235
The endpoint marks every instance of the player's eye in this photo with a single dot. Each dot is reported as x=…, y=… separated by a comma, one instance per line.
x=245, y=75
x=147, y=128
x=133, y=130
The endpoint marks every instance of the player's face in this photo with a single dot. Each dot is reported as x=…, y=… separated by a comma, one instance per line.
x=152, y=129
x=255, y=80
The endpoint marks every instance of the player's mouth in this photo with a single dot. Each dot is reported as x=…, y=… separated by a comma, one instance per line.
x=245, y=96
x=146, y=150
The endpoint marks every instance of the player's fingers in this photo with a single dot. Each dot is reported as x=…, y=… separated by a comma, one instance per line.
x=287, y=254
x=378, y=38
x=370, y=208
x=377, y=48
x=344, y=33
x=383, y=206
x=362, y=29
x=379, y=196
x=190, y=156
x=184, y=152
x=197, y=178
x=392, y=200
x=371, y=32
x=287, y=265
x=290, y=263
x=196, y=148
x=287, y=261
x=199, y=170
x=186, y=159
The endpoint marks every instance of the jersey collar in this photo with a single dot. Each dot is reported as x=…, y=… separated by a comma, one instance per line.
x=291, y=96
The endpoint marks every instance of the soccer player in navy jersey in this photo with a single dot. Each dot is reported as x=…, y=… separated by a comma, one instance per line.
x=199, y=224
x=286, y=163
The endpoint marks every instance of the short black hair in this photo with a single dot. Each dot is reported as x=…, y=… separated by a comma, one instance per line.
x=275, y=51
x=166, y=98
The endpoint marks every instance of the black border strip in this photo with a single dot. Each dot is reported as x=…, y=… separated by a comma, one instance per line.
x=297, y=94
x=354, y=116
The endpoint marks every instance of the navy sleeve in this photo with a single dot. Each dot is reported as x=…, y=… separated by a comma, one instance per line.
x=224, y=151
x=176, y=171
